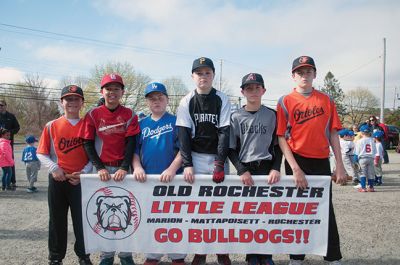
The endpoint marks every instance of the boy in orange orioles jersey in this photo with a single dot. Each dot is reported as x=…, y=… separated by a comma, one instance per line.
x=109, y=140
x=307, y=126
x=61, y=151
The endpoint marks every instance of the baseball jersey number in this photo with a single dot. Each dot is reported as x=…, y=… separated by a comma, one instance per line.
x=368, y=148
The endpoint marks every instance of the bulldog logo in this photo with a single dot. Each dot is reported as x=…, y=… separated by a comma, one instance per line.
x=113, y=212
x=117, y=213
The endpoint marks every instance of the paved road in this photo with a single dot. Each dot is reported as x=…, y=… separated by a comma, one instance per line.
x=368, y=223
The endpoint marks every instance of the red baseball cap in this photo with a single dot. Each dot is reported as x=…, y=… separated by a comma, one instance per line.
x=112, y=78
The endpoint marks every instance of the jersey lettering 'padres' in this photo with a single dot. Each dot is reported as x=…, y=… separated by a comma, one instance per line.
x=157, y=139
x=60, y=141
x=255, y=132
x=204, y=114
x=309, y=117
x=109, y=130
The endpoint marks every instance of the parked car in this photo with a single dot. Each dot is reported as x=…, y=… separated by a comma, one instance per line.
x=393, y=136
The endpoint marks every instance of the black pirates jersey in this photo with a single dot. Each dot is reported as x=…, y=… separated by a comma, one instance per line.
x=204, y=115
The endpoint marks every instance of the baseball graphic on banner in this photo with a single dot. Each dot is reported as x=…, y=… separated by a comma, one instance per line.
x=117, y=214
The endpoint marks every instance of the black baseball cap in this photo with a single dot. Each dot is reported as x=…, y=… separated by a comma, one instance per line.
x=303, y=61
x=71, y=90
x=252, y=78
x=203, y=62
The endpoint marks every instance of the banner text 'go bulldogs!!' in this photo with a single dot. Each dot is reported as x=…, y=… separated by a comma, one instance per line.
x=205, y=217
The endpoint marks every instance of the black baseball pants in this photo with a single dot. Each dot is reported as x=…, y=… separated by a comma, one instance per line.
x=314, y=166
x=63, y=196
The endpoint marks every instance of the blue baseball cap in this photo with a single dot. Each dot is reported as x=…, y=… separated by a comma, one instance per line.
x=343, y=132
x=30, y=139
x=155, y=87
x=365, y=128
x=378, y=134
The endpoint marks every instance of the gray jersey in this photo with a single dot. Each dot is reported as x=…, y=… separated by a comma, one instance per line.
x=253, y=133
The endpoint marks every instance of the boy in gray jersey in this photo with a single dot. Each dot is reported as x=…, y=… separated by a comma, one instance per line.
x=253, y=145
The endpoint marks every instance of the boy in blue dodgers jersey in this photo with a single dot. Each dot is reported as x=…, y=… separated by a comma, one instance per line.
x=158, y=138
x=253, y=145
x=365, y=153
x=32, y=162
x=203, y=120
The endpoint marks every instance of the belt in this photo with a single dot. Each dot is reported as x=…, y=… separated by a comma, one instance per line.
x=116, y=163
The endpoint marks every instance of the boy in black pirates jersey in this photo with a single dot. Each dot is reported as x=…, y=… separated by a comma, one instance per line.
x=253, y=145
x=203, y=119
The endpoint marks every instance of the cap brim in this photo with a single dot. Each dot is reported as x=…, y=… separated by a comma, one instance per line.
x=303, y=65
x=201, y=66
x=252, y=82
x=71, y=94
x=162, y=92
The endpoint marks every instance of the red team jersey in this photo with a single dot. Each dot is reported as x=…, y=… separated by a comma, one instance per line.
x=109, y=130
x=60, y=140
x=306, y=122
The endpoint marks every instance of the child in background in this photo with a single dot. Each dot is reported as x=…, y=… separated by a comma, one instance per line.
x=365, y=154
x=164, y=146
x=347, y=148
x=378, y=136
x=6, y=158
x=32, y=162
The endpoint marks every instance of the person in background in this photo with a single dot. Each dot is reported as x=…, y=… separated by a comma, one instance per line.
x=32, y=162
x=9, y=121
x=6, y=158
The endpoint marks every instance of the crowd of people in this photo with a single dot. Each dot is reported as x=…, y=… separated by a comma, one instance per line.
x=112, y=141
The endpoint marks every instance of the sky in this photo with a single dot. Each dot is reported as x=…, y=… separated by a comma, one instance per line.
x=161, y=38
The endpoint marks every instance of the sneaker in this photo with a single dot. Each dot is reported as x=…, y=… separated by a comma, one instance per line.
x=254, y=260
x=358, y=186
x=295, y=262
x=126, y=260
x=178, y=262
x=29, y=190
x=355, y=181
x=107, y=261
x=200, y=259
x=85, y=261
x=336, y=262
x=150, y=262
x=362, y=190
x=34, y=189
x=3, y=188
x=223, y=259
x=370, y=189
x=55, y=262
x=268, y=261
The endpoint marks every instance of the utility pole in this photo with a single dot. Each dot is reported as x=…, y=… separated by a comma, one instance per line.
x=394, y=98
x=383, y=84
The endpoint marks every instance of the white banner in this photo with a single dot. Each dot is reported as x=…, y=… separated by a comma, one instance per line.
x=205, y=218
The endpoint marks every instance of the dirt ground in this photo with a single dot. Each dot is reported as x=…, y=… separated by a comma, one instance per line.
x=368, y=223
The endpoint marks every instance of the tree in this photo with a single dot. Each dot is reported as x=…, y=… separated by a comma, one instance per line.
x=332, y=88
x=134, y=84
x=176, y=91
x=360, y=103
x=33, y=103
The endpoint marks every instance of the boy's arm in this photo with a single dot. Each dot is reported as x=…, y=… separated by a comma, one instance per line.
x=340, y=171
x=185, y=142
x=88, y=145
x=168, y=174
x=130, y=145
x=298, y=174
x=138, y=171
x=222, y=154
x=233, y=155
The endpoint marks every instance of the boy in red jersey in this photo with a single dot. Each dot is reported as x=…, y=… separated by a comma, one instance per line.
x=109, y=140
x=62, y=152
x=307, y=126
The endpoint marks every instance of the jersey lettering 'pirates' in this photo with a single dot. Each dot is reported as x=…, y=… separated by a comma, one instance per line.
x=204, y=115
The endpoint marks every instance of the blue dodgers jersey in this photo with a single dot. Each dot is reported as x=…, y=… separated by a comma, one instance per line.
x=158, y=143
x=29, y=154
